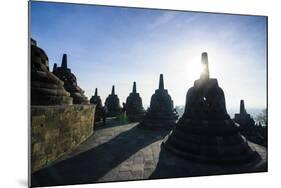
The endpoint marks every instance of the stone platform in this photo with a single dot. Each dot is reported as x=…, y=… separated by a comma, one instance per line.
x=57, y=129
x=122, y=152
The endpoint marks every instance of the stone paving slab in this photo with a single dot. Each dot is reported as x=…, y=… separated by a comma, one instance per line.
x=118, y=152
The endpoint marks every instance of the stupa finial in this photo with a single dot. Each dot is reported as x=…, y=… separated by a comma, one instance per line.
x=134, y=88
x=205, y=72
x=54, y=67
x=161, y=82
x=242, y=107
x=64, y=61
x=96, y=92
x=113, y=90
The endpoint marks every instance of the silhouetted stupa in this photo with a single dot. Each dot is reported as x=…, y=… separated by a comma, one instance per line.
x=206, y=132
x=97, y=101
x=134, y=108
x=112, y=104
x=46, y=88
x=247, y=125
x=70, y=82
x=243, y=118
x=161, y=113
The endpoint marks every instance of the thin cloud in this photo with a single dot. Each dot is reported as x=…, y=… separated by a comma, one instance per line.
x=163, y=19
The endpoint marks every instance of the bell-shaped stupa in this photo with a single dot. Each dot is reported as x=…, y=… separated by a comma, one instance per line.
x=161, y=113
x=70, y=82
x=97, y=101
x=112, y=104
x=245, y=121
x=46, y=88
x=206, y=132
x=134, y=107
x=247, y=125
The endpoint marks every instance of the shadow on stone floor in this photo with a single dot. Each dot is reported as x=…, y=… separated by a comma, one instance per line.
x=172, y=166
x=91, y=165
x=111, y=122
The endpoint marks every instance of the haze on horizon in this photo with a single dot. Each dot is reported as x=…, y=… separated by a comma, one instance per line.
x=115, y=46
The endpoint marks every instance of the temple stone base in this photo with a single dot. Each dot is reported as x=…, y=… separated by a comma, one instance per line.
x=58, y=129
x=158, y=123
x=136, y=117
x=210, y=142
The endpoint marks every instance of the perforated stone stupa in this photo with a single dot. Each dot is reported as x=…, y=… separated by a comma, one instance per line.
x=97, y=101
x=206, y=132
x=46, y=88
x=161, y=113
x=70, y=82
x=134, y=107
x=247, y=125
x=112, y=104
x=56, y=125
x=246, y=122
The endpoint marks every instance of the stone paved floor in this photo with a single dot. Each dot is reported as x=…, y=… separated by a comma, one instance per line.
x=117, y=152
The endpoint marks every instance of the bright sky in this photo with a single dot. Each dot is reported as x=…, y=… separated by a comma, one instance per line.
x=110, y=45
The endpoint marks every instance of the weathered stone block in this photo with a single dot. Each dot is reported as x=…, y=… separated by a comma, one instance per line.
x=58, y=129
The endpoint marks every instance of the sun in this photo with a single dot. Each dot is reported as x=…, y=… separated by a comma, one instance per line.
x=193, y=68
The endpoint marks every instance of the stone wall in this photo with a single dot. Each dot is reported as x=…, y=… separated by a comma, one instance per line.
x=56, y=130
